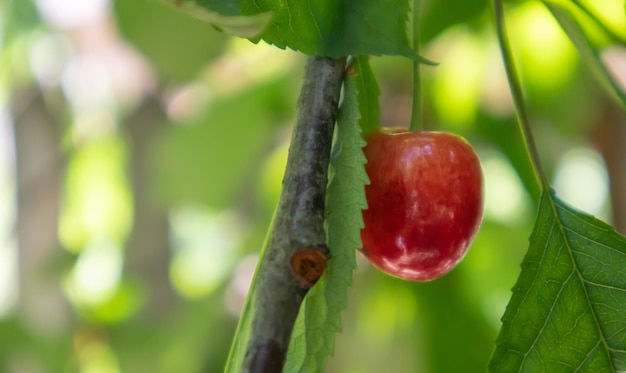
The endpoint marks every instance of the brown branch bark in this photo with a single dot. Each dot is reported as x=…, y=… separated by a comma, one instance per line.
x=296, y=252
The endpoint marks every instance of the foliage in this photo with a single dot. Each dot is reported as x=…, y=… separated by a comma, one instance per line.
x=224, y=163
x=328, y=28
x=570, y=294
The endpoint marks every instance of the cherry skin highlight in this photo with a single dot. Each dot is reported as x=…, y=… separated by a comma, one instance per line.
x=425, y=202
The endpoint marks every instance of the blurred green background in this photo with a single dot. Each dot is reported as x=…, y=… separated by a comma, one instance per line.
x=141, y=156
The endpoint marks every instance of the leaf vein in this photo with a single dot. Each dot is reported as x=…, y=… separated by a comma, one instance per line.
x=542, y=329
x=603, y=285
x=581, y=278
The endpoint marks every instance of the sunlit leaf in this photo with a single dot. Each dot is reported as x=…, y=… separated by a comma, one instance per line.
x=313, y=338
x=567, y=310
x=588, y=52
x=608, y=15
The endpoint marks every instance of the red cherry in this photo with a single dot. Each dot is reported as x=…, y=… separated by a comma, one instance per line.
x=424, y=200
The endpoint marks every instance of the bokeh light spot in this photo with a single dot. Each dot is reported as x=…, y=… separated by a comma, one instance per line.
x=505, y=198
x=206, y=244
x=546, y=56
x=581, y=179
x=457, y=80
x=97, y=272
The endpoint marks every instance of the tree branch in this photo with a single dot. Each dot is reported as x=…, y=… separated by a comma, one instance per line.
x=296, y=253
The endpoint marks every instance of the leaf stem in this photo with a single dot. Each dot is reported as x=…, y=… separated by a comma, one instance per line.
x=518, y=97
x=416, y=112
x=298, y=225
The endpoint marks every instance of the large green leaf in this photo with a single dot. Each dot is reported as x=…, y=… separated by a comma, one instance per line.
x=329, y=28
x=568, y=310
x=336, y=28
x=320, y=315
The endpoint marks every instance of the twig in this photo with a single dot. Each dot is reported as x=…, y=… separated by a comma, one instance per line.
x=296, y=252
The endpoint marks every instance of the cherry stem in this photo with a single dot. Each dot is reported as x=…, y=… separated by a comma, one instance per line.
x=275, y=298
x=416, y=112
x=518, y=97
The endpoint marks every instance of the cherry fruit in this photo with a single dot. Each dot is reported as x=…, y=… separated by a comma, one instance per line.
x=425, y=201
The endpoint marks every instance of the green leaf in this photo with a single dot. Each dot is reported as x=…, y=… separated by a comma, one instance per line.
x=588, y=51
x=328, y=28
x=368, y=96
x=336, y=28
x=320, y=315
x=567, y=312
